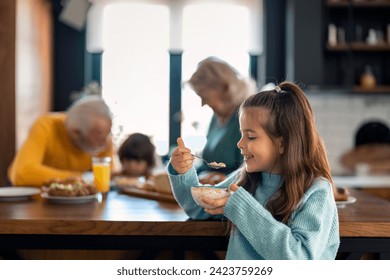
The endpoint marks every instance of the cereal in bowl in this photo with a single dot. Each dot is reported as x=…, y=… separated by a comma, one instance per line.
x=201, y=192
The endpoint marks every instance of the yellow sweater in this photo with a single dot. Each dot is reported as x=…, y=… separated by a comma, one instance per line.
x=48, y=153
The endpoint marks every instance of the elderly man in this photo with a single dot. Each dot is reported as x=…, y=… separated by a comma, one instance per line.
x=60, y=145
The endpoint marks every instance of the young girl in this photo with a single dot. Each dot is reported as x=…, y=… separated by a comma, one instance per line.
x=282, y=205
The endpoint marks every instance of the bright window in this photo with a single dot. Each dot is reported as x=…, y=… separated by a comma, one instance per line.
x=135, y=67
x=218, y=29
x=137, y=37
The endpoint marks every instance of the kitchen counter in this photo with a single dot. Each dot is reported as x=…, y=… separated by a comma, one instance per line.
x=362, y=181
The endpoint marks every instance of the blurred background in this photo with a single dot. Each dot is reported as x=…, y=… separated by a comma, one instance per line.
x=139, y=54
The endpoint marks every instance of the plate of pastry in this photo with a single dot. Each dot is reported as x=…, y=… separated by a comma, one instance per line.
x=70, y=199
x=69, y=191
x=343, y=197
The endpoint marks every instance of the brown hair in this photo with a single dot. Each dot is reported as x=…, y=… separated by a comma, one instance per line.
x=304, y=158
x=138, y=147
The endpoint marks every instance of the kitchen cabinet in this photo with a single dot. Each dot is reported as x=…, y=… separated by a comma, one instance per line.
x=357, y=40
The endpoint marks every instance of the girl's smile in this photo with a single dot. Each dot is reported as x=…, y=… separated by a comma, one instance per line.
x=260, y=151
x=246, y=158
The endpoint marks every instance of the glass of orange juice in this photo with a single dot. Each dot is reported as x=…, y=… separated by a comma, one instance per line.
x=101, y=171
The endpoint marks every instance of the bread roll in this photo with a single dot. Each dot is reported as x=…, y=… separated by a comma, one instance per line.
x=341, y=194
x=162, y=183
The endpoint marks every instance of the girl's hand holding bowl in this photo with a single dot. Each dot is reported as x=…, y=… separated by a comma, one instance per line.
x=211, y=198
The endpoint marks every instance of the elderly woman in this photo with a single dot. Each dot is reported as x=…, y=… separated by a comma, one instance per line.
x=223, y=89
x=60, y=145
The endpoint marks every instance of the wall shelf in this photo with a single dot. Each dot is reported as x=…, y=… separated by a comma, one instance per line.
x=370, y=3
x=358, y=3
x=358, y=46
x=337, y=3
x=338, y=48
x=377, y=89
x=351, y=23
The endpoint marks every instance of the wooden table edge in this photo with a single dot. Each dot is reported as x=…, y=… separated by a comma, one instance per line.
x=365, y=229
x=125, y=228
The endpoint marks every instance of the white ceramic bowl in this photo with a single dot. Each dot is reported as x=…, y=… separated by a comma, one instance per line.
x=210, y=192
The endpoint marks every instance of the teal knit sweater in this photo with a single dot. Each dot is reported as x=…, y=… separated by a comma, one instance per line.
x=311, y=233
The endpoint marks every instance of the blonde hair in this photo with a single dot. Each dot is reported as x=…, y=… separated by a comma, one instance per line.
x=215, y=73
x=82, y=113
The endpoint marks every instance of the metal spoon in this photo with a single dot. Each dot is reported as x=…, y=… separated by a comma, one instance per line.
x=213, y=164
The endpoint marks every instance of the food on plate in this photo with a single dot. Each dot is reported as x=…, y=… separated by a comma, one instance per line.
x=149, y=185
x=69, y=187
x=125, y=181
x=341, y=194
x=155, y=183
x=199, y=193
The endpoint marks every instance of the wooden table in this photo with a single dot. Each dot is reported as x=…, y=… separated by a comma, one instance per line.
x=365, y=226
x=118, y=222
x=122, y=222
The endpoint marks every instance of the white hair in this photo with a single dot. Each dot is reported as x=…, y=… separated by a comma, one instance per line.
x=213, y=72
x=82, y=113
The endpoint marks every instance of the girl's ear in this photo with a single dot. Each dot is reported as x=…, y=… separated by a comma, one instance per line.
x=280, y=145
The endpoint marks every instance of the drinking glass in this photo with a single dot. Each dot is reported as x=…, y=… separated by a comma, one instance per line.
x=101, y=170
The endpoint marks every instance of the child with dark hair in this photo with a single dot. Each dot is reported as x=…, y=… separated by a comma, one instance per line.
x=137, y=156
x=140, y=165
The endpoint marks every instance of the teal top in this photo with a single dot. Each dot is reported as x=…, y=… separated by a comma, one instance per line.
x=221, y=145
x=311, y=233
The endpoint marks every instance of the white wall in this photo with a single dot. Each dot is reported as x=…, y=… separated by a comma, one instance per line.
x=339, y=116
x=33, y=64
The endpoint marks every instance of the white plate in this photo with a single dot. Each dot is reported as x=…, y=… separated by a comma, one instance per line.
x=351, y=199
x=70, y=199
x=17, y=193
